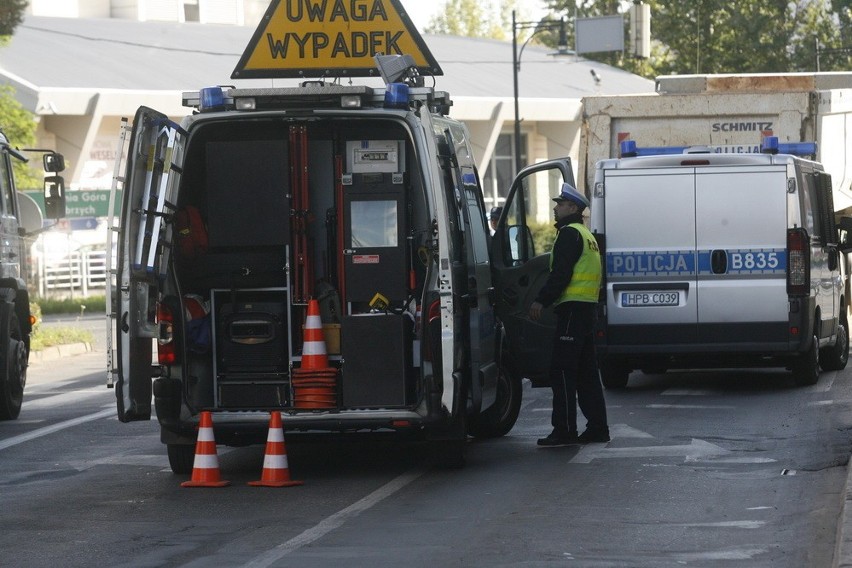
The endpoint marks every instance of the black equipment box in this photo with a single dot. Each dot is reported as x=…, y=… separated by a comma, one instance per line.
x=377, y=360
x=251, y=331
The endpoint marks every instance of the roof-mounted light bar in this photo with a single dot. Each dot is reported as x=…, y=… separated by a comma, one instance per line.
x=769, y=145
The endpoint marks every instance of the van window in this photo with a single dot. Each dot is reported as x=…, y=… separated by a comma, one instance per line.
x=810, y=205
x=7, y=189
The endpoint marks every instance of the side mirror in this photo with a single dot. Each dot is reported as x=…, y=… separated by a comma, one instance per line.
x=54, y=197
x=844, y=229
x=53, y=162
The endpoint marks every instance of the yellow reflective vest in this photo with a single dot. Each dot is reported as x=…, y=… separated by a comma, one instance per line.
x=586, y=279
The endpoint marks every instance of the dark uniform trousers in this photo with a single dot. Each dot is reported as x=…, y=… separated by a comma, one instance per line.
x=574, y=370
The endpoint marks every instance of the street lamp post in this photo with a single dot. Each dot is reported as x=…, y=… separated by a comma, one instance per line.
x=562, y=49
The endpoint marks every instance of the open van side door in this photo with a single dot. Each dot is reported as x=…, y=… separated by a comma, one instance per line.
x=153, y=171
x=521, y=266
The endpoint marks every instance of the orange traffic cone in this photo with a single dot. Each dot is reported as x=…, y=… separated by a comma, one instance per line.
x=314, y=355
x=205, y=468
x=276, y=473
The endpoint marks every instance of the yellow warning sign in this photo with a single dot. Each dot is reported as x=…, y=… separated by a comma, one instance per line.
x=331, y=38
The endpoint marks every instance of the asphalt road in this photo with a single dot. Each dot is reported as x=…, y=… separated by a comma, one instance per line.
x=704, y=469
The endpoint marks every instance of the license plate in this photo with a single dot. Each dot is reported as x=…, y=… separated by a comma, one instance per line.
x=650, y=298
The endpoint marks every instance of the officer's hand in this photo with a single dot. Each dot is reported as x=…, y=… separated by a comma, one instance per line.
x=535, y=311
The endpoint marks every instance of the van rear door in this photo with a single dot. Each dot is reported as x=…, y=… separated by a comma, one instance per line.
x=741, y=238
x=153, y=165
x=650, y=256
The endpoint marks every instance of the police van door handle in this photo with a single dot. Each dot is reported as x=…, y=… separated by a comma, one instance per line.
x=719, y=261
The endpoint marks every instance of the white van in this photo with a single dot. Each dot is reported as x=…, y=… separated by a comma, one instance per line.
x=718, y=260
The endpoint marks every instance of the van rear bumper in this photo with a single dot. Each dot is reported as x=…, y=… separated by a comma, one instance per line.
x=712, y=345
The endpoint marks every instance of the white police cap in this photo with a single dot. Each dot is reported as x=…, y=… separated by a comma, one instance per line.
x=569, y=193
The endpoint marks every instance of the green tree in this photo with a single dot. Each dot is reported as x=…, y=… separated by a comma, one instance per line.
x=474, y=18
x=719, y=36
x=16, y=122
x=11, y=14
x=20, y=128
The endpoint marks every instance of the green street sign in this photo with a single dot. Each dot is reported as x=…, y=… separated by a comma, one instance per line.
x=82, y=203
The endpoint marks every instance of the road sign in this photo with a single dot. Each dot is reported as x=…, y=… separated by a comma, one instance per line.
x=331, y=38
x=82, y=203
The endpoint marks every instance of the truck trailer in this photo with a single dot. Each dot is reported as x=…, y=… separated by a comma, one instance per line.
x=731, y=114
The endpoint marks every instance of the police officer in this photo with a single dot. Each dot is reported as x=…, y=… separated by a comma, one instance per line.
x=572, y=287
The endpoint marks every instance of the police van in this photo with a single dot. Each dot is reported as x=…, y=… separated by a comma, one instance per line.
x=719, y=260
x=262, y=201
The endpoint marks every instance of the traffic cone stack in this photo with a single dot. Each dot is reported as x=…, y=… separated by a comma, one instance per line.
x=314, y=383
x=276, y=472
x=205, y=468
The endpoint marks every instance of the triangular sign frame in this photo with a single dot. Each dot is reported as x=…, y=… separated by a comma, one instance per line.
x=331, y=38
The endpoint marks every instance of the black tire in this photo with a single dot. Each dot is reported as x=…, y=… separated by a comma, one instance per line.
x=614, y=375
x=835, y=357
x=806, y=366
x=181, y=458
x=499, y=420
x=13, y=366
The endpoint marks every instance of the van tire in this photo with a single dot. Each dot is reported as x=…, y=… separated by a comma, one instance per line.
x=835, y=357
x=499, y=420
x=614, y=375
x=806, y=366
x=13, y=369
x=181, y=458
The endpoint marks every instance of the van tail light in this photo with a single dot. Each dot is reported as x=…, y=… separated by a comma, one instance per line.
x=798, y=262
x=433, y=331
x=166, y=354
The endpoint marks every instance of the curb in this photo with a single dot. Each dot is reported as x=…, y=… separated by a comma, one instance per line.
x=843, y=548
x=59, y=351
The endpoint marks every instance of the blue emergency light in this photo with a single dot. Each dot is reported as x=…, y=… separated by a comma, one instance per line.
x=212, y=98
x=396, y=95
x=771, y=145
x=629, y=149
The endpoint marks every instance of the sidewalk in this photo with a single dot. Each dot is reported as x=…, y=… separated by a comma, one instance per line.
x=843, y=554
x=58, y=352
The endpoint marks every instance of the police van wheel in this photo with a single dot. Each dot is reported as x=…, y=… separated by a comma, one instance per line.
x=614, y=375
x=806, y=366
x=181, y=458
x=501, y=417
x=835, y=357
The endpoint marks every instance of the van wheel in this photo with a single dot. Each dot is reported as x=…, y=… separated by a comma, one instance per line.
x=614, y=375
x=501, y=417
x=13, y=372
x=181, y=458
x=806, y=366
x=835, y=357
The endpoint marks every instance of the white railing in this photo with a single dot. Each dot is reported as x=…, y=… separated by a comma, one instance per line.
x=75, y=273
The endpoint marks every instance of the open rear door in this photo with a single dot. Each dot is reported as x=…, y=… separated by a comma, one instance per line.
x=521, y=267
x=153, y=163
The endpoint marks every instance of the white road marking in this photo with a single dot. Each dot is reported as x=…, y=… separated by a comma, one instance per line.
x=692, y=406
x=334, y=521
x=625, y=431
x=15, y=440
x=729, y=524
x=686, y=392
x=694, y=451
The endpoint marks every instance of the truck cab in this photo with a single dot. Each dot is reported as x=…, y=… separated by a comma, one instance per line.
x=719, y=260
x=362, y=201
x=20, y=219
